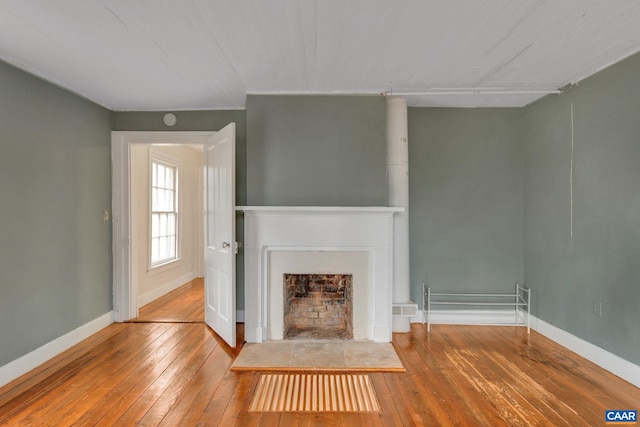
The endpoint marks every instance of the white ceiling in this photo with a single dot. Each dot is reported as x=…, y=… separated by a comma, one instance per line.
x=208, y=54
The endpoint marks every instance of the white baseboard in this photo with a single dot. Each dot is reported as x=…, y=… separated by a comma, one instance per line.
x=240, y=316
x=156, y=293
x=601, y=357
x=418, y=318
x=37, y=357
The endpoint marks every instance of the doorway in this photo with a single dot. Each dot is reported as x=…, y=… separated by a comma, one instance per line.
x=167, y=230
x=126, y=285
x=219, y=223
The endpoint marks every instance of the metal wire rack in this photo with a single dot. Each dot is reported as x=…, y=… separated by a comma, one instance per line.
x=519, y=302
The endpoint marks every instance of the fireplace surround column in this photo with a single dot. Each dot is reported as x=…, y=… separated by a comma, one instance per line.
x=398, y=196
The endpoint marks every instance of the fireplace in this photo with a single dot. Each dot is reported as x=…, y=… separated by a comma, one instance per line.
x=318, y=240
x=318, y=306
x=318, y=263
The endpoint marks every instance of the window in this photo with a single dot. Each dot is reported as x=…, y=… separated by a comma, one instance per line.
x=164, y=212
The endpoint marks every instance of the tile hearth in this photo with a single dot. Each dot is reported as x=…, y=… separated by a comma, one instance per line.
x=320, y=355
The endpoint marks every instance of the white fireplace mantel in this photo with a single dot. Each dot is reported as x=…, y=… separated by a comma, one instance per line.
x=323, y=228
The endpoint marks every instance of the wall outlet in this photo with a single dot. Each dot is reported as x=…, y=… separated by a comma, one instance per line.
x=597, y=308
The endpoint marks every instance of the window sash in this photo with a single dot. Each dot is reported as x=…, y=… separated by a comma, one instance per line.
x=164, y=213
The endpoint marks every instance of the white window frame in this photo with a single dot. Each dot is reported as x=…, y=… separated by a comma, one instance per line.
x=160, y=157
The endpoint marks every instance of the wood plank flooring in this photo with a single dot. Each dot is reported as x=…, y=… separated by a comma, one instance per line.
x=184, y=304
x=177, y=374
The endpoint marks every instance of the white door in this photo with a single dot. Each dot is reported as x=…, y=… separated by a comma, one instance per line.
x=220, y=233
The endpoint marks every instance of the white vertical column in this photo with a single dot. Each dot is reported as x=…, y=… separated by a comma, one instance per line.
x=398, y=196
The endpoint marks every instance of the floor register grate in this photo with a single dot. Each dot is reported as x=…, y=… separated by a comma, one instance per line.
x=314, y=393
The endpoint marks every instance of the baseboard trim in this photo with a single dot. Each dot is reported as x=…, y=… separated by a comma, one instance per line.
x=601, y=357
x=606, y=360
x=162, y=290
x=37, y=357
x=240, y=316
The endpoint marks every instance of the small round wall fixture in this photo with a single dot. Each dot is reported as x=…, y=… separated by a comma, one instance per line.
x=170, y=119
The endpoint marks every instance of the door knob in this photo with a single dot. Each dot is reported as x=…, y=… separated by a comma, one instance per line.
x=226, y=245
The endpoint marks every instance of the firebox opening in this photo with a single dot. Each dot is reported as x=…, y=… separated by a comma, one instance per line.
x=318, y=306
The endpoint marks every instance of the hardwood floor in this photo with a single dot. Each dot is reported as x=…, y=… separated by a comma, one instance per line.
x=174, y=374
x=184, y=304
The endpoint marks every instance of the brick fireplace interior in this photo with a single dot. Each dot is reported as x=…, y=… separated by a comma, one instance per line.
x=318, y=306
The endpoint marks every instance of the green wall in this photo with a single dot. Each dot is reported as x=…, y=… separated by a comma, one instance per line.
x=301, y=150
x=465, y=199
x=601, y=262
x=489, y=196
x=316, y=150
x=194, y=121
x=55, y=249
x=202, y=121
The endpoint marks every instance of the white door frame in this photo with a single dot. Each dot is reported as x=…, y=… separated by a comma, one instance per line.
x=125, y=291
